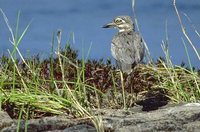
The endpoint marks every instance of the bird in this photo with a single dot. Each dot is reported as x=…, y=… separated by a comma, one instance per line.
x=127, y=46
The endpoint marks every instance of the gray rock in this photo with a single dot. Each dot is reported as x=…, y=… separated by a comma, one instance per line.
x=179, y=118
x=77, y=128
x=5, y=120
x=45, y=124
x=80, y=128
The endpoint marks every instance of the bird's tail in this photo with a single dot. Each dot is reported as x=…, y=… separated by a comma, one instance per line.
x=127, y=68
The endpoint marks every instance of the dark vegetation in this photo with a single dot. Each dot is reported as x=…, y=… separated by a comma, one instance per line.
x=95, y=84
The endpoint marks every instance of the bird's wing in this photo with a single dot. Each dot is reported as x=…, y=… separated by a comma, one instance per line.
x=127, y=47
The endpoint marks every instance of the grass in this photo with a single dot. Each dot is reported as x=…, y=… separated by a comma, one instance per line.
x=63, y=84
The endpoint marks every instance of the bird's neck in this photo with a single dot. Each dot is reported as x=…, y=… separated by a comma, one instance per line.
x=125, y=30
x=122, y=30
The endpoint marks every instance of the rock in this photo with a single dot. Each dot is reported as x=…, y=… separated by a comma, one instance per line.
x=49, y=124
x=5, y=120
x=80, y=128
x=179, y=118
x=176, y=118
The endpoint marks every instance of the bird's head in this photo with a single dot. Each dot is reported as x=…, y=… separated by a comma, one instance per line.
x=123, y=23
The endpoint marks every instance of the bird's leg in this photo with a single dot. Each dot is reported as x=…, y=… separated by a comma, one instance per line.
x=123, y=90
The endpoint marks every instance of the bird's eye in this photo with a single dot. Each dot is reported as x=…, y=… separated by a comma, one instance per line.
x=118, y=21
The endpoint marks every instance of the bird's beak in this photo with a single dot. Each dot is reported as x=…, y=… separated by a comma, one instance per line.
x=109, y=25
